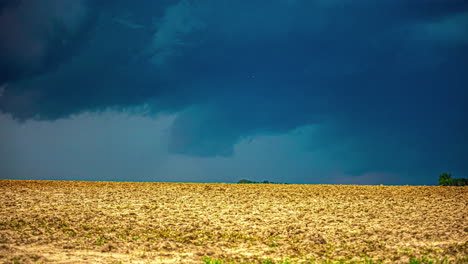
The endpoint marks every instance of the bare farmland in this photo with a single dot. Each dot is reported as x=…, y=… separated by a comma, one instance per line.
x=111, y=222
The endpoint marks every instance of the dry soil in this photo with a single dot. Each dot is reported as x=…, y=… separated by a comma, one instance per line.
x=116, y=222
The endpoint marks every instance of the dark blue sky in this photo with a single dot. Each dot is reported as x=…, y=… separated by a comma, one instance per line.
x=297, y=91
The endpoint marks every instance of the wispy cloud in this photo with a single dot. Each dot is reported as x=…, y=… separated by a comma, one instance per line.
x=447, y=30
x=178, y=21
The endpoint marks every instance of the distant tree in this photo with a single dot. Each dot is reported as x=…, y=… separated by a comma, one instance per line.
x=245, y=181
x=263, y=182
x=445, y=179
x=461, y=182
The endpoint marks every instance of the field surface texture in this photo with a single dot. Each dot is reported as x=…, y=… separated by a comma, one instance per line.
x=110, y=222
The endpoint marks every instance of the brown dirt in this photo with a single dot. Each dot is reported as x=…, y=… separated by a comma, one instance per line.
x=113, y=222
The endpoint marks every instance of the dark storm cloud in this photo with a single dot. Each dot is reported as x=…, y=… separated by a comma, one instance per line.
x=384, y=72
x=35, y=37
x=101, y=64
x=8, y=4
x=288, y=72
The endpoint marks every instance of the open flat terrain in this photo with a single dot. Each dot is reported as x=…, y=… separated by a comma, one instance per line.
x=111, y=222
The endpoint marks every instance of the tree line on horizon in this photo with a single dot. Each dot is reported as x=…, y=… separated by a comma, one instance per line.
x=445, y=179
x=245, y=181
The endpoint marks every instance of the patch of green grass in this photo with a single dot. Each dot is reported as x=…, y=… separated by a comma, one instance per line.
x=426, y=260
x=423, y=260
x=100, y=241
x=208, y=260
x=420, y=261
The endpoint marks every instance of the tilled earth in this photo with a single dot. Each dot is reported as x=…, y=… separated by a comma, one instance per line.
x=118, y=222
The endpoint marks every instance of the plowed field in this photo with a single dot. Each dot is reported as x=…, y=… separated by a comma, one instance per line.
x=112, y=222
